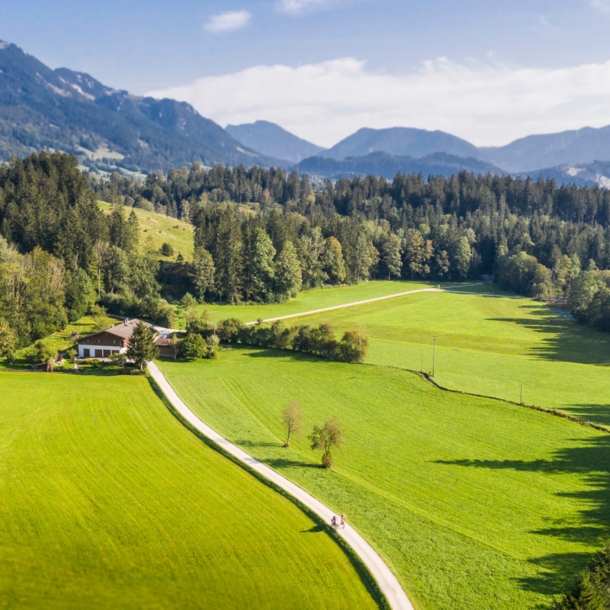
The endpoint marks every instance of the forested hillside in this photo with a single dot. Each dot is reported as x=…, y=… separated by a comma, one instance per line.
x=264, y=235
x=253, y=225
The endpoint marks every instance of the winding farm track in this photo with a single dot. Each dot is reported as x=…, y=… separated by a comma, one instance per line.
x=374, y=300
x=387, y=582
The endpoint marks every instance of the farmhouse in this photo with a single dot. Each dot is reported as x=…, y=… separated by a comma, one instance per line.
x=104, y=343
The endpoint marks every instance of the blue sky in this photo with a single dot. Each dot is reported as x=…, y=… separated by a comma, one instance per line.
x=464, y=66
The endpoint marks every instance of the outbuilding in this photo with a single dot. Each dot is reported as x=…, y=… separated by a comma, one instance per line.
x=104, y=343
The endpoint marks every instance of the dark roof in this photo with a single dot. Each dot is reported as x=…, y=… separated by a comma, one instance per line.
x=124, y=330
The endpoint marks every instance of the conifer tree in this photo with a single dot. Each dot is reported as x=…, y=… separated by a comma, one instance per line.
x=288, y=278
x=142, y=348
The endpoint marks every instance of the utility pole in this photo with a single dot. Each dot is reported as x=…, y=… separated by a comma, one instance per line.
x=434, y=354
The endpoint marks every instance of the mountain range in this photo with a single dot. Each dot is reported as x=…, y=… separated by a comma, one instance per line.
x=105, y=128
x=109, y=129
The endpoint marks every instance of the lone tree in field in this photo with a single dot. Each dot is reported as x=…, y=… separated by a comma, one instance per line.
x=329, y=436
x=292, y=416
x=142, y=346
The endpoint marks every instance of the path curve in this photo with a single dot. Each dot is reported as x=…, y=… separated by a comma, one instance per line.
x=356, y=303
x=387, y=582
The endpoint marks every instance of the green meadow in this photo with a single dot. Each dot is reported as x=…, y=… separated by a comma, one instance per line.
x=157, y=229
x=473, y=502
x=107, y=501
x=491, y=346
x=318, y=298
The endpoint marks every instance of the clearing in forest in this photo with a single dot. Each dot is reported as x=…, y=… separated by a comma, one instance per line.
x=159, y=229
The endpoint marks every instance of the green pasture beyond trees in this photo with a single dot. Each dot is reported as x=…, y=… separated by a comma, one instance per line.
x=490, y=346
x=318, y=298
x=475, y=503
x=106, y=500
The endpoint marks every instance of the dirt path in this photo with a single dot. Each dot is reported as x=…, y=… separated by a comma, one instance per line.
x=387, y=582
x=356, y=303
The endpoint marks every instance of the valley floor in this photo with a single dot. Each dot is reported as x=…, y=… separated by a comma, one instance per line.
x=474, y=503
x=107, y=501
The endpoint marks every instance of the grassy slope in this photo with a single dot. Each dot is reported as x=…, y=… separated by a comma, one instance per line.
x=476, y=503
x=107, y=501
x=160, y=229
x=491, y=346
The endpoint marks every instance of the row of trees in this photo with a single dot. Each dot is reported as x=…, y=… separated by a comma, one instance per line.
x=182, y=190
x=317, y=340
x=245, y=254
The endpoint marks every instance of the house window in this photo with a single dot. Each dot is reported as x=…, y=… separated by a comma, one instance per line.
x=87, y=353
x=99, y=353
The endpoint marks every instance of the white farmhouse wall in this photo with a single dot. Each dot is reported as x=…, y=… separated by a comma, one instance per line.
x=83, y=346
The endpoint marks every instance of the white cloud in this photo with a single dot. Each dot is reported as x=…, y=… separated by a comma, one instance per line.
x=487, y=102
x=225, y=22
x=297, y=7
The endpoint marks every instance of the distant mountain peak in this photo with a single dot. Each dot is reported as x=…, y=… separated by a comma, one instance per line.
x=272, y=140
x=400, y=141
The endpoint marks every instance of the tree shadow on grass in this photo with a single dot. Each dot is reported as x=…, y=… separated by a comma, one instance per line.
x=268, y=352
x=316, y=529
x=288, y=463
x=558, y=573
x=599, y=413
x=247, y=443
x=565, y=340
x=590, y=459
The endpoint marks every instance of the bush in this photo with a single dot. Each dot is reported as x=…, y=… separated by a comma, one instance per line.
x=40, y=353
x=193, y=346
x=167, y=249
x=229, y=330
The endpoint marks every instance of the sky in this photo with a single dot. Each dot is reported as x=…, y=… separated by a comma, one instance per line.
x=485, y=70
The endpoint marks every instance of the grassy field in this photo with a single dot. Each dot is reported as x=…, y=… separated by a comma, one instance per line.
x=315, y=299
x=474, y=502
x=107, y=501
x=158, y=229
x=490, y=346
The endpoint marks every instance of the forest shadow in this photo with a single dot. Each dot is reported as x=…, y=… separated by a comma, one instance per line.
x=564, y=339
x=287, y=463
x=599, y=413
x=591, y=461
